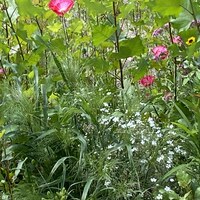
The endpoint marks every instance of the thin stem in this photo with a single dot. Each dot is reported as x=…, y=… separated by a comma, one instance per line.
x=194, y=16
x=13, y=29
x=175, y=65
x=117, y=45
x=66, y=36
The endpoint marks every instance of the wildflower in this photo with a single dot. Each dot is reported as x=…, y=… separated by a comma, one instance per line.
x=195, y=23
x=2, y=72
x=60, y=7
x=107, y=183
x=154, y=143
x=167, y=189
x=147, y=81
x=157, y=32
x=159, y=159
x=153, y=180
x=177, y=40
x=167, y=96
x=171, y=180
x=190, y=40
x=160, y=52
x=159, y=196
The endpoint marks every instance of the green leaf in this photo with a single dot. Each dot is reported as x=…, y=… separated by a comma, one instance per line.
x=129, y=48
x=197, y=194
x=55, y=27
x=26, y=8
x=58, y=163
x=183, y=116
x=99, y=65
x=86, y=188
x=169, y=7
x=174, y=170
x=139, y=71
x=18, y=169
x=95, y=8
x=183, y=178
x=101, y=33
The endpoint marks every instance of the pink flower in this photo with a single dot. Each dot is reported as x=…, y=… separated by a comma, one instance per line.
x=177, y=40
x=168, y=96
x=147, y=80
x=60, y=7
x=157, y=32
x=160, y=52
x=2, y=72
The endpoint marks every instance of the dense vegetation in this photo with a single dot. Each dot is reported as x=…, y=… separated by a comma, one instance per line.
x=100, y=99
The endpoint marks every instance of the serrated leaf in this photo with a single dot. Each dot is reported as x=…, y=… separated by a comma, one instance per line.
x=128, y=48
x=169, y=7
x=101, y=33
x=55, y=27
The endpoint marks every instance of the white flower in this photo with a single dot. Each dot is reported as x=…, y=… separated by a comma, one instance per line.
x=160, y=158
x=131, y=124
x=134, y=149
x=154, y=143
x=115, y=119
x=105, y=104
x=153, y=180
x=137, y=114
x=108, y=93
x=159, y=196
x=168, y=165
x=171, y=180
x=110, y=146
x=167, y=189
x=107, y=183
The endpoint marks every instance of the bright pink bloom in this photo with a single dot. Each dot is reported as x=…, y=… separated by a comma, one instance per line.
x=147, y=80
x=177, y=40
x=60, y=7
x=160, y=52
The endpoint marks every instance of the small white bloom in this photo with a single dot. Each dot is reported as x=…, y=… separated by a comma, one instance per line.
x=110, y=146
x=108, y=93
x=167, y=189
x=107, y=183
x=153, y=180
x=160, y=158
x=137, y=114
x=154, y=143
x=131, y=124
x=105, y=104
x=115, y=119
x=159, y=196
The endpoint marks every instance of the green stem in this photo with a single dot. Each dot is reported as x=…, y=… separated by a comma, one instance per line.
x=13, y=29
x=175, y=66
x=117, y=45
x=194, y=16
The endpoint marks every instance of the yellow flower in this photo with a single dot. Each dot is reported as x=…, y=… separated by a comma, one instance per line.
x=190, y=40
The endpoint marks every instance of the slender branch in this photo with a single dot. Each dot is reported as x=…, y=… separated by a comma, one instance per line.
x=175, y=65
x=194, y=16
x=117, y=45
x=13, y=29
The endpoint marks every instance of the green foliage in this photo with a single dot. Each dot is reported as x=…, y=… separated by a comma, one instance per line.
x=76, y=120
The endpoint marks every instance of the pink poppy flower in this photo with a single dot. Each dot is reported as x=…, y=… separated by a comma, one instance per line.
x=60, y=7
x=147, y=80
x=160, y=52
